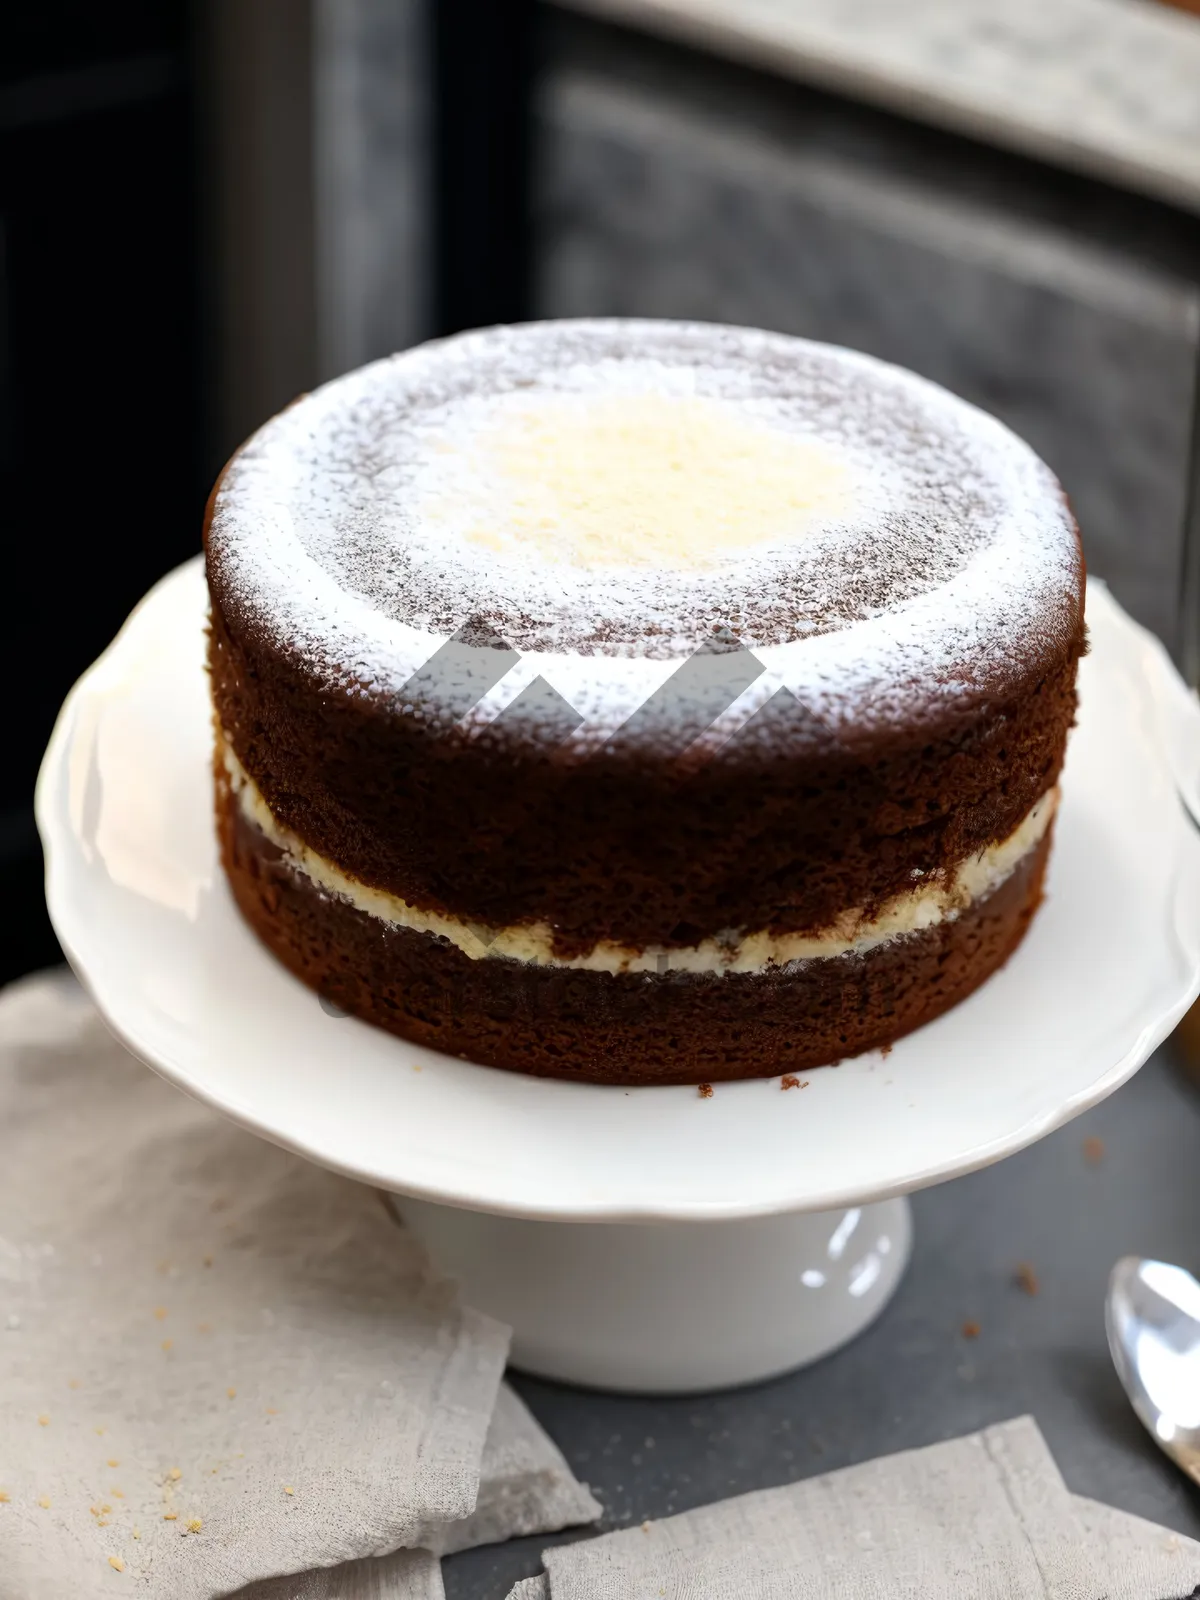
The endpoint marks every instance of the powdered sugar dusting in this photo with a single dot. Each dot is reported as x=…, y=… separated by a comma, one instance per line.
x=365, y=525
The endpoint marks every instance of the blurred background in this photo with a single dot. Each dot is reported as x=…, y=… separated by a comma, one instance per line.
x=207, y=208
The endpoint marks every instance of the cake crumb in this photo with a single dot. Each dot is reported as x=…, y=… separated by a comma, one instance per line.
x=287, y=1489
x=97, y=1430
x=137, y=1533
x=232, y=1393
x=195, y=1525
x=104, y=1510
x=705, y=1091
x=118, y=1493
x=971, y=1330
x=170, y=1516
x=4, y=1497
x=174, y=1474
x=1093, y=1151
x=112, y=1462
x=72, y=1383
x=208, y=1261
x=43, y=1420
x=646, y=1526
x=204, y=1327
x=116, y=1563
x=1027, y=1279
x=167, y=1344
x=271, y=1411
x=44, y=1501
x=160, y=1313
x=789, y=1082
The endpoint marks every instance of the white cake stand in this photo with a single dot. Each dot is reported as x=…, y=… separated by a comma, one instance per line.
x=647, y=1239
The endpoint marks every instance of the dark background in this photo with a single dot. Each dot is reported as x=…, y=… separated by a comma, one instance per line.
x=163, y=229
x=102, y=448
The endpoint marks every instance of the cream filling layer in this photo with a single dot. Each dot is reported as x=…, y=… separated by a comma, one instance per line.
x=938, y=897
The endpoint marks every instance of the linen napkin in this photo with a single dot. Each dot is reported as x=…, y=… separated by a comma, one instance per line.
x=525, y=1487
x=986, y=1517
x=405, y=1575
x=218, y=1363
x=1141, y=1560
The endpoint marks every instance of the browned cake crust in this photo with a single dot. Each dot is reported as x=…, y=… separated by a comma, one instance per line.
x=627, y=1029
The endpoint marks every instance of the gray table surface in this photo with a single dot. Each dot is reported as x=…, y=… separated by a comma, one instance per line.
x=913, y=1378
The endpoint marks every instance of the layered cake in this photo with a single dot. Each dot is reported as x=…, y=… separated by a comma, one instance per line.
x=640, y=702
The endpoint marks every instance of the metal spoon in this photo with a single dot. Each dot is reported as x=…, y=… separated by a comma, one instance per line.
x=1153, y=1319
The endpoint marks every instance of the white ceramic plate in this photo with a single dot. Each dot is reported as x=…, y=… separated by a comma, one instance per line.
x=1111, y=963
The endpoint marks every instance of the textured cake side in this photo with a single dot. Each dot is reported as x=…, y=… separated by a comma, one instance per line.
x=783, y=830
x=619, y=1029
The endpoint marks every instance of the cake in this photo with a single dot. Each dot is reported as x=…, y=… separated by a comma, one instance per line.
x=640, y=702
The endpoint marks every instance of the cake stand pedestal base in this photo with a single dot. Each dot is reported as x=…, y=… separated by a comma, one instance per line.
x=672, y=1308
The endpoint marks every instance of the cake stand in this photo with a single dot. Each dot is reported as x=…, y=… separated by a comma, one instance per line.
x=648, y=1239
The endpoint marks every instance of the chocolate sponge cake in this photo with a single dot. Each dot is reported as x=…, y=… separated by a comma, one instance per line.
x=640, y=702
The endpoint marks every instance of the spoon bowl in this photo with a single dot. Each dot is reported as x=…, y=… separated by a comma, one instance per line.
x=1152, y=1315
